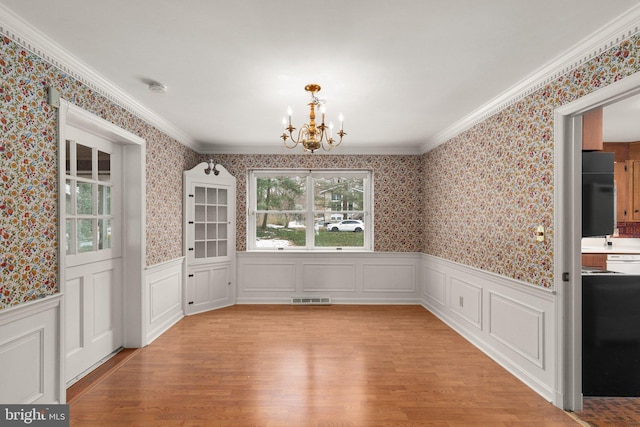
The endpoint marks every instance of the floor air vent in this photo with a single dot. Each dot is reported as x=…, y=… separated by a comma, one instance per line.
x=311, y=301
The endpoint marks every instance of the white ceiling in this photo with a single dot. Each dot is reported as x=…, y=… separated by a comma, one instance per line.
x=621, y=121
x=401, y=71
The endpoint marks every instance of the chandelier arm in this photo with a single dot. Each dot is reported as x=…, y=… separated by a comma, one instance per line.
x=341, y=133
x=302, y=132
x=330, y=141
x=284, y=138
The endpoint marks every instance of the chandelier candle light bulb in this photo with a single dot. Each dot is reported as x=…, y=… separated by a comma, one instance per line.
x=310, y=135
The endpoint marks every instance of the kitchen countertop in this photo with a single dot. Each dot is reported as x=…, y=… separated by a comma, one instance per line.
x=595, y=245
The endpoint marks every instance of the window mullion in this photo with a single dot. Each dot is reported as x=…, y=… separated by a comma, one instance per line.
x=94, y=198
x=310, y=219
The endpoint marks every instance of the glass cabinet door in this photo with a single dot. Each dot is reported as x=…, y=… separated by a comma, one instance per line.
x=210, y=222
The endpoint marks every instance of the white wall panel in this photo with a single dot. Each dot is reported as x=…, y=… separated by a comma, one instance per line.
x=30, y=353
x=466, y=301
x=389, y=277
x=165, y=293
x=345, y=277
x=517, y=326
x=164, y=288
x=434, y=285
x=24, y=355
x=511, y=321
x=328, y=277
x=260, y=277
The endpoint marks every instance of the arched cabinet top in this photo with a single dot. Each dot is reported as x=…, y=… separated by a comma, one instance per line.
x=208, y=171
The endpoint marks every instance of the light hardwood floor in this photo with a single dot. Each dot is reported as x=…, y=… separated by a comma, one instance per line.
x=337, y=365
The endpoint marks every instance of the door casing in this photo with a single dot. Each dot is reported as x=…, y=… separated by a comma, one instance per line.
x=134, y=310
x=567, y=241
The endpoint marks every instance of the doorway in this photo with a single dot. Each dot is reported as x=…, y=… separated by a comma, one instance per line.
x=101, y=240
x=93, y=250
x=567, y=248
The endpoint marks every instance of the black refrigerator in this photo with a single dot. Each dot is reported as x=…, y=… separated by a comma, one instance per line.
x=598, y=194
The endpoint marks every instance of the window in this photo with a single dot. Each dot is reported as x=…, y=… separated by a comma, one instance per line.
x=89, y=204
x=303, y=209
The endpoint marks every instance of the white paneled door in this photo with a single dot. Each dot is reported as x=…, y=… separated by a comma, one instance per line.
x=93, y=262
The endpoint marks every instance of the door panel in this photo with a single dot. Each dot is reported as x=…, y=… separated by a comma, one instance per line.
x=92, y=314
x=201, y=289
x=221, y=285
x=104, y=290
x=209, y=287
x=73, y=315
x=93, y=273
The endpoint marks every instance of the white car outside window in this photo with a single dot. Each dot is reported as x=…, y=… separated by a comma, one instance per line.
x=346, y=225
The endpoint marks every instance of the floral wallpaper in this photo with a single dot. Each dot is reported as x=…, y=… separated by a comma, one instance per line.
x=475, y=199
x=487, y=189
x=166, y=161
x=397, y=181
x=29, y=174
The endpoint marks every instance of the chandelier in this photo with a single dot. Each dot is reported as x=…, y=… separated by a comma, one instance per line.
x=310, y=135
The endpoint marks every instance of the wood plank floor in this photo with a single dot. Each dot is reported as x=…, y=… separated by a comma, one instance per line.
x=312, y=366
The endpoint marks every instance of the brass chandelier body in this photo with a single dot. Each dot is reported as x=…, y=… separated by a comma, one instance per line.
x=312, y=136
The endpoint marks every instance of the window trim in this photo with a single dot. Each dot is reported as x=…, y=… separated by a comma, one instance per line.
x=79, y=136
x=309, y=211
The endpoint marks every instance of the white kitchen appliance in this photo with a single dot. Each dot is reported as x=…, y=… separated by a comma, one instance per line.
x=627, y=264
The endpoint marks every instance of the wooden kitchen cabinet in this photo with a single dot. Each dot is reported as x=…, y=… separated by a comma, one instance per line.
x=621, y=178
x=634, y=190
x=627, y=179
x=592, y=130
x=620, y=150
x=595, y=260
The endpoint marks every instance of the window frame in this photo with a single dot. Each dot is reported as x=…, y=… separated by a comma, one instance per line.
x=71, y=216
x=310, y=212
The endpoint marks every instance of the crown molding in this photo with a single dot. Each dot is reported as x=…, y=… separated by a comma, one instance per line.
x=342, y=150
x=23, y=33
x=609, y=35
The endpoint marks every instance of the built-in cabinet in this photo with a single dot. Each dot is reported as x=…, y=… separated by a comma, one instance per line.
x=209, y=237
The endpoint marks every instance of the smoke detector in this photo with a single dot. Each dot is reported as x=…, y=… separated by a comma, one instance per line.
x=157, y=87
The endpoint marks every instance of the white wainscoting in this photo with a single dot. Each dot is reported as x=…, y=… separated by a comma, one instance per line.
x=345, y=277
x=164, y=285
x=511, y=321
x=30, y=353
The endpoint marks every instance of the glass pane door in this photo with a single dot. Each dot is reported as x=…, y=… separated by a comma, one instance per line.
x=210, y=222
